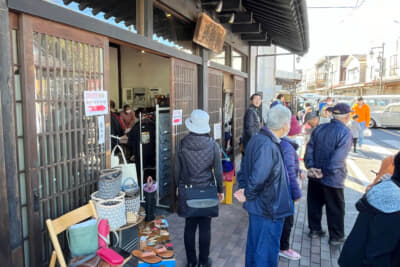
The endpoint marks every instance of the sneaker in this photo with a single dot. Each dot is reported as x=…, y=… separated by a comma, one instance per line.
x=290, y=254
x=336, y=241
x=316, y=234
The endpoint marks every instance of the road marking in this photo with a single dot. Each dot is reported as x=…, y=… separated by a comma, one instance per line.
x=359, y=175
x=374, y=147
x=390, y=132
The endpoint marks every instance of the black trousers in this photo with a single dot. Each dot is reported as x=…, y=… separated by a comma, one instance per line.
x=355, y=140
x=287, y=229
x=319, y=195
x=204, y=224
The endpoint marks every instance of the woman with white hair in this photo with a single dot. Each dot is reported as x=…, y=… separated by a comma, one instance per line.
x=263, y=187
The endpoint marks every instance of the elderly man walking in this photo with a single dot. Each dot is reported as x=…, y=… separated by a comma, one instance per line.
x=263, y=187
x=325, y=160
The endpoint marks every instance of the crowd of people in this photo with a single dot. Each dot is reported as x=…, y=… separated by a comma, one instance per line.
x=270, y=183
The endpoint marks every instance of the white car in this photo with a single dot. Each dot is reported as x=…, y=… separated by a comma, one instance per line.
x=389, y=117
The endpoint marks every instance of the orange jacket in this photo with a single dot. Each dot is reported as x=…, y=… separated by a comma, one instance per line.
x=363, y=113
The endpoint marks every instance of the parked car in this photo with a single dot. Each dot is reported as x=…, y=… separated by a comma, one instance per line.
x=389, y=117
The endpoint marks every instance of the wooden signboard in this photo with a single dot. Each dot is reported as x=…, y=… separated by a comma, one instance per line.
x=209, y=34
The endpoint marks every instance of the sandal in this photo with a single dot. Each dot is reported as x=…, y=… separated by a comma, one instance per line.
x=163, y=252
x=164, y=233
x=146, y=255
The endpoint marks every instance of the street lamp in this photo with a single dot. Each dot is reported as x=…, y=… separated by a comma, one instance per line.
x=381, y=60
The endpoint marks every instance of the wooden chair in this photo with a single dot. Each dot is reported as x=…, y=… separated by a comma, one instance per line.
x=59, y=225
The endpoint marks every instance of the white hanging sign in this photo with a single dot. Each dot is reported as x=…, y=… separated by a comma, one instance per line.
x=177, y=117
x=96, y=103
x=217, y=131
x=102, y=129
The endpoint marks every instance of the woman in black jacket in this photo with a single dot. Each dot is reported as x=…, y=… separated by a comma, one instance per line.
x=375, y=237
x=197, y=162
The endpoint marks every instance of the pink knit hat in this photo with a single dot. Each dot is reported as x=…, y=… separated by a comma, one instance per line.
x=295, y=127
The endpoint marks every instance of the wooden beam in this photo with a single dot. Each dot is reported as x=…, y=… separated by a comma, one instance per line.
x=254, y=36
x=5, y=63
x=240, y=17
x=232, y=5
x=246, y=28
x=260, y=43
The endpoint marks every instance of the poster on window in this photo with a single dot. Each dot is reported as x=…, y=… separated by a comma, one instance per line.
x=96, y=103
x=217, y=131
x=177, y=117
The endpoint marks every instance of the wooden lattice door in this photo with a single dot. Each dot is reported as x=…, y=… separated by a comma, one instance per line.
x=184, y=96
x=215, y=84
x=62, y=146
x=239, y=110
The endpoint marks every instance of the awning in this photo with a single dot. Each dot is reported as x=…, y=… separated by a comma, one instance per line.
x=259, y=22
x=284, y=21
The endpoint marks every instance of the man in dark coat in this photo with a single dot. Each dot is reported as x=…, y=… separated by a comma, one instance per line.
x=252, y=119
x=263, y=187
x=374, y=240
x=325, y=159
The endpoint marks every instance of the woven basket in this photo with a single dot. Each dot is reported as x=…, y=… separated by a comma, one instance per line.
x=95, y=198
x=132, y=202
x=113, y=210
x=109, y=183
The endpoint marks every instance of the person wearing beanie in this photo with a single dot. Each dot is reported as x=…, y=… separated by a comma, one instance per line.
x=291, y=161
x=374, y=240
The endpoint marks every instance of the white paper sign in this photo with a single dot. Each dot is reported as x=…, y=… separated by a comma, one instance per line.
x=96, y=103
x=217, y=131
x=102, y=129
x=177, y=117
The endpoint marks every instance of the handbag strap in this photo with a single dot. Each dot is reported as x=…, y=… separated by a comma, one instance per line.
x=116, y=237
x=85, y=259
x=122, y=153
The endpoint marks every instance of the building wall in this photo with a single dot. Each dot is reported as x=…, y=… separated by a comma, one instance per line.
x=266, y=72
x=144, y=70
x=114, y=87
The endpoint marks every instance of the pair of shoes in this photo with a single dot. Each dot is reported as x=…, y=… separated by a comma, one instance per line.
x=316, y=233
x=290, y=254
x=336, y=241
x=207, y=264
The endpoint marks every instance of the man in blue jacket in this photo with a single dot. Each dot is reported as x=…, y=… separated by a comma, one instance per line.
x=325, y=160
x=263, y=187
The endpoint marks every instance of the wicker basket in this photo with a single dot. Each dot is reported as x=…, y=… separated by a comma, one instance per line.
x=94, y=196
x=113, y=210
x=132, y=202
x=109, y=183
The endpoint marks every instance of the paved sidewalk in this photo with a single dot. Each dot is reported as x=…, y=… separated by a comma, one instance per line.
x=229, y=234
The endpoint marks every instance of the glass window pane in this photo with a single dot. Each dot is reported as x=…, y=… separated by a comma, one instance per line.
x=15, y=46
x=17, y=84
x=26, y=253
x=20, y=127
x=22, y=186
x=21, y=155
x=25, y=221
x=36, y=47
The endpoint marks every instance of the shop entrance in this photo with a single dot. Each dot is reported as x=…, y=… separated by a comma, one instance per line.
x=153, y=86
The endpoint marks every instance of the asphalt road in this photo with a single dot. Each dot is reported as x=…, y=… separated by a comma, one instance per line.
x=382, y=143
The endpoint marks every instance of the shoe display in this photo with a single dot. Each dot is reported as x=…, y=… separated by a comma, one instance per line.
x=290, y=254
x=316, y=234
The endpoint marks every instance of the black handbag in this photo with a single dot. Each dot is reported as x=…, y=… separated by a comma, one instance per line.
x=200, y=202
x=197, y=201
